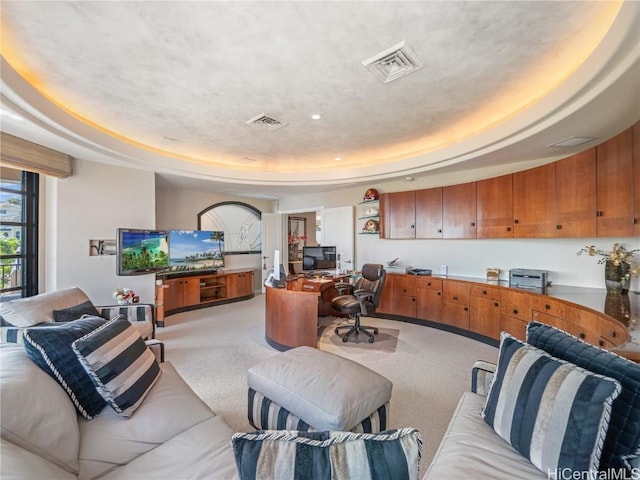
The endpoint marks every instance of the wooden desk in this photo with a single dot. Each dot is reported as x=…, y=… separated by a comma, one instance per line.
x=291, y=313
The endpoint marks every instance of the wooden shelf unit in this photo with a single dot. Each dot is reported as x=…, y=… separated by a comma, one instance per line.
x=179, y=293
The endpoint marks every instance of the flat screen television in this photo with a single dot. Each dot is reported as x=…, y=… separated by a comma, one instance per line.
x=195, y=250
x=319, y=258
x=141, y=251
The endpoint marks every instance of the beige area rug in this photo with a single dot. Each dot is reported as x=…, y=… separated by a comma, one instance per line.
x=430, y=369
x=385, y=341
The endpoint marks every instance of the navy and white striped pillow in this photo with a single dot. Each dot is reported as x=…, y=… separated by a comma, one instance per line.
x=554, y=413
x=120, y=364
x=294, y=455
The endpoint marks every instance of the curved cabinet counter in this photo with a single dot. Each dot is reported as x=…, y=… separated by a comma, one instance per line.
x=481, y=309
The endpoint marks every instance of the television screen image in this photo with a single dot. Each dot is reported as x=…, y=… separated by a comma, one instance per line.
x=196, y=250
x=142, y=251
x=319, y=258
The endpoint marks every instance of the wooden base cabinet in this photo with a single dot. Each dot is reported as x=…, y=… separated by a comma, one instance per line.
x=487, y=310
x=455, y=304
x=194, y=291
x=484, y=314
x=429, y=299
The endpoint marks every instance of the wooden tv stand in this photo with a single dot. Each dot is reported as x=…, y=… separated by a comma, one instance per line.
x=181, y=292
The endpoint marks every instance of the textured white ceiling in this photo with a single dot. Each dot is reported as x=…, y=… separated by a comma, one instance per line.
x=170, y=85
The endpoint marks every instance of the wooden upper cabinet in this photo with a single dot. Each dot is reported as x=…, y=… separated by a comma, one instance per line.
x=636, y=180
x=494, y=198
x=576, y=195
x=429, y=213
x=459, y=211
x=614, y=187
x=401, y=212
x=534, y=202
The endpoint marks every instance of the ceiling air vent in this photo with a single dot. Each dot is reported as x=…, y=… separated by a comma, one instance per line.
x=572, y=142
x=267, y=122
x=393, y=63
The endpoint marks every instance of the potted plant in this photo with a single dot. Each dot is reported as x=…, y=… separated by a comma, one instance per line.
x=617, y=266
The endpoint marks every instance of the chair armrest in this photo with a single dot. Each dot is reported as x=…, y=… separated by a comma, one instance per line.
x=344, y=288
x=481, y=377
x=362, y=296
x=137, y=312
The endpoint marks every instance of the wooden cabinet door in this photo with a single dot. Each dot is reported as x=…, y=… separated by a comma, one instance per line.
x=534, y=202
x=455, y=314
x=429, y=304
x=484, y=317
x=191, y=291
x=514, y=326
x=401, y=211
x=173, y=296
x=404, y=296
x=239, y=284
x=386, y=298
x=429, y=213
x=614, y=186
x=494, y=206
x=459, y=211
x=636, y=180
x=576, y=195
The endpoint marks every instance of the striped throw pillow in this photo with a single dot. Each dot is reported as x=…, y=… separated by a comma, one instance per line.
x=554, y=413
x=295, y=455
x=50, y=347
x=622, y=445
x=120, y=364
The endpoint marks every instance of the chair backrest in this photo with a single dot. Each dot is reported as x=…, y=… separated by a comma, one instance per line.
x=373, y=278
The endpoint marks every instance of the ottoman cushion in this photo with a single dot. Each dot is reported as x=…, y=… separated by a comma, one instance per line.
x=327, y=391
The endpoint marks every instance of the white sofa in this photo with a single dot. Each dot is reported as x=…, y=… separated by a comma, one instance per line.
x=471, y=449
x=172, y=435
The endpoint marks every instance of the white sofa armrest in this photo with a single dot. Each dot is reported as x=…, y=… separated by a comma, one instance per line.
x=481, y=377
x=135, y=313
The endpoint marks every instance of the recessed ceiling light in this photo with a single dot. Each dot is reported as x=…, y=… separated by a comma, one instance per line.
x=409, y=179
x=337, y=159
x=316, y=116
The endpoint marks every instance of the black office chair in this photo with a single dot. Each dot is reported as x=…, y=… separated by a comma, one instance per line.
x=360, y=299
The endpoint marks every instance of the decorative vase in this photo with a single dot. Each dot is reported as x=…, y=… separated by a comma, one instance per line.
x=616, y=277
x=124, y=301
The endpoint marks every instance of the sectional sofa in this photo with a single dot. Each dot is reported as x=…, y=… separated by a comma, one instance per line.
x=172, y=434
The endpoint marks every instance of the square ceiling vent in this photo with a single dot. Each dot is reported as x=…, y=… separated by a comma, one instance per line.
x=393, y=63
x=267, y=122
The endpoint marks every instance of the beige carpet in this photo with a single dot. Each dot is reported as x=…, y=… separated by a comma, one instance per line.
x=213, y=348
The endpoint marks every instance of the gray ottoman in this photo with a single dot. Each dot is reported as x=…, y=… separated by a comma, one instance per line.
x=307, y=389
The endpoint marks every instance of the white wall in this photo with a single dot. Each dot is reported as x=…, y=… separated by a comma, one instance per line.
x=92, y=204
x=472, y=257
x=99, y=198
x=177, y=209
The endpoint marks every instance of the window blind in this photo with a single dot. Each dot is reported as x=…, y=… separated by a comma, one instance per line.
x=24, y=155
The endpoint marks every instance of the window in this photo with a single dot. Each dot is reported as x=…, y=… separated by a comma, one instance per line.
x=19, y=234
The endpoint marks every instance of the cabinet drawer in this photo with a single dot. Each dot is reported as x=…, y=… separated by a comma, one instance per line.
x=404, y=285
x=548, y=306
x=430, y=283
x=516, y=304
x=456, y=292
x=547, y=319
x=613, y=332
x=484, y=291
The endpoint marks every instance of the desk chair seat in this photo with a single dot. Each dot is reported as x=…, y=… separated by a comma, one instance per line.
x=361, y=299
